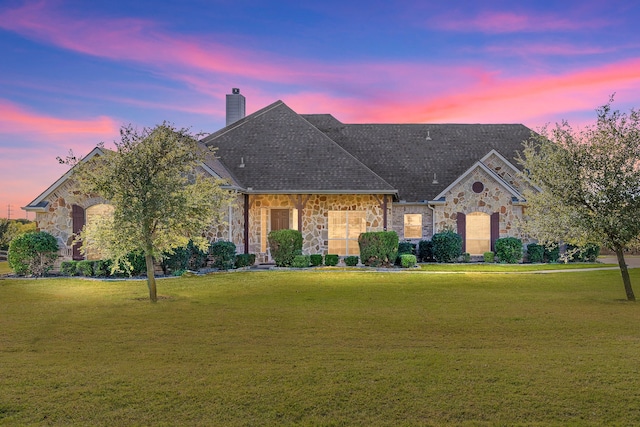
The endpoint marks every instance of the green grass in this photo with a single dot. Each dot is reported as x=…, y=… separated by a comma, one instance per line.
x=508, y=268
x=4, y=268
x=316, y=348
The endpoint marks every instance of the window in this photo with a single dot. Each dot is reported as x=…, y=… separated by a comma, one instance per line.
x=95, y=214
x=344, y=229
x=412, y=226
x=478, y=233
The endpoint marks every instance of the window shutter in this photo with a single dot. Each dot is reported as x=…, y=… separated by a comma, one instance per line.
x=461, y=220
x=78, y=221
x=495, y=229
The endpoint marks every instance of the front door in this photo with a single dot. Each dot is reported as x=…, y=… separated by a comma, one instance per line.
x=279, y=219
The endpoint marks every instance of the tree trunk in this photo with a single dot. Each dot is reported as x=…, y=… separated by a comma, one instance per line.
x=151, y=278
x=625, y=274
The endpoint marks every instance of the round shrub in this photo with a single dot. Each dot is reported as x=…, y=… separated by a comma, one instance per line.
x=351, y=260
x=284, y=246
x=535, y=253
x=33, y=253
x=69, y=268
x=316, y=259
x=331, y=260
x=223, y=254
x=447, y=246
x=300, y=261
x=407, y=260
x=489, y=257
x=509, y=250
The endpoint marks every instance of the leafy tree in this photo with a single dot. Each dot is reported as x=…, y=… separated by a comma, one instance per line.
x=10, y=228
x=161, y=199
x=590, y=184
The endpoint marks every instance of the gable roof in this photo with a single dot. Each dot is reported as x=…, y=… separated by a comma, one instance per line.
x=421, y=160
x=275, y=150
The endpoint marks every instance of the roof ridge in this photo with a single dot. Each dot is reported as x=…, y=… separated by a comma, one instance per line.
x=241, y=122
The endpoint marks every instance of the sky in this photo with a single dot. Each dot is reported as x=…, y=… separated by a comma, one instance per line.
x=72, y=72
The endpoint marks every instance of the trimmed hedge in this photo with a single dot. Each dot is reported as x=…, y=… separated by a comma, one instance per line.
x=447, y=246
x=85, y=268
x=407, y=260
x=69, y=268
x=509, y=250
x=300, y=261
x=315, y=259
x=331, y=260
x=378, y=248
x=351, y=260
x=285, y=245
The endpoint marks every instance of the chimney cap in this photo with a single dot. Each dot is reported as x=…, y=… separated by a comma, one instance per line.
x=235, y=91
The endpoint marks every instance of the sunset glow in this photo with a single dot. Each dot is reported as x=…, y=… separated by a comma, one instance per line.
x=73, y=72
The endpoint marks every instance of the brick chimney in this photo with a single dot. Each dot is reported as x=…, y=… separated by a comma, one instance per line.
x=235, y=106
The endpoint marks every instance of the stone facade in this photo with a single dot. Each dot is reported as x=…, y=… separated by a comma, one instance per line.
x=313, y=210
x=494, y=197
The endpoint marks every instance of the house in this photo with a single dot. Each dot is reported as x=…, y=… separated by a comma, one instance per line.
x=333, y=181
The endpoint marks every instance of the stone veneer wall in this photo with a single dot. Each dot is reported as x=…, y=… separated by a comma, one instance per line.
x=397, y=222
x=494, y=198
x=57, y=220
x=314, y=217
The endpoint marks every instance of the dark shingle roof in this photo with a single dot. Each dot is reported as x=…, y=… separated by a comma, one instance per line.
x=283, y=152
x=286, y=152
x=402, y=155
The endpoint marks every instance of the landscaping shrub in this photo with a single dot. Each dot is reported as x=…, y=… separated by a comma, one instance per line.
x=378, y=248
x=189, y=257
x=586, y=253
x=447, y=246
x=406, y=248
x=407, y=260
x=466, y=257
x=285, y=245
x=245, y=260
x=351, y=260
x=489, y=257
x=509, y=250
x=300, y=261
x=33, y=253
x=425, y=250
x=552, y=254
x=69, y=268
x=85, y=268
x=223, y=254
x=102, y=268
x=316, y=259
x=331, y=260
x=138, y=265
x=535, y=253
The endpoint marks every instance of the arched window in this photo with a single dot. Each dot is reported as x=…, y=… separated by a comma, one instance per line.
x=478, y=233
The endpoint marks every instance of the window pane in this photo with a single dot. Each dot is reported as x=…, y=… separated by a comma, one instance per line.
x=337, y=224
x=478, y=233
x=413, y=226
x=352, y=247
x=357, y=224
x=337, y=247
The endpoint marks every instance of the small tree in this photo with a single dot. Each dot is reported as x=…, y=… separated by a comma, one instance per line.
x=589, y=182
x=161, y=198
x=33, y=253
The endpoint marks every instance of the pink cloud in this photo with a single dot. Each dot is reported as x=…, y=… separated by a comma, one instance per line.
x=20, y=121
x=510, y=22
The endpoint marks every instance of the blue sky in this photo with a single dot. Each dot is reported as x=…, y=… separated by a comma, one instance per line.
x=73, y=72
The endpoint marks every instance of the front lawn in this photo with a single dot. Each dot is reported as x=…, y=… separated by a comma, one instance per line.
x=321, y=348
